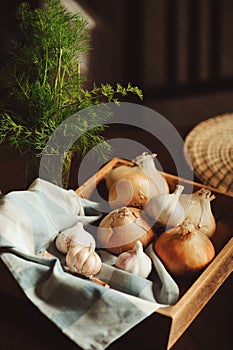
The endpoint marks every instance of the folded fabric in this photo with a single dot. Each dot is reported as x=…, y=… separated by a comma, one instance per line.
x=162, y=289
x=91, y=315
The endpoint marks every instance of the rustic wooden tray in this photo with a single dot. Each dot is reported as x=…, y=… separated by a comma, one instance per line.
x=171, y=322
x=165, y=326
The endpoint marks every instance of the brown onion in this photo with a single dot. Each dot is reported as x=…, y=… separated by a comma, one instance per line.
x=144, y=164
x=121, y=229
x=184, y=250
x=119, y=173
x=134, y=190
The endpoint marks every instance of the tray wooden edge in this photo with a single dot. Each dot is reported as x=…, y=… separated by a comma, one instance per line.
x=86, y=188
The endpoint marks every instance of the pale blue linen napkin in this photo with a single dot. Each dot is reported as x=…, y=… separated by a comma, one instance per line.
x=91, y=315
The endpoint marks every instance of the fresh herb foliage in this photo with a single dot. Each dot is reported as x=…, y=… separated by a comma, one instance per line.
x=43, y=83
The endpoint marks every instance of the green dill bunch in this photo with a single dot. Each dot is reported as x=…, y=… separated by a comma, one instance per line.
x=42, y=80
x=42, y=72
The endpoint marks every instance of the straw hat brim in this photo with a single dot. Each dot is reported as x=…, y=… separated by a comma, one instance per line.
x=208, y=149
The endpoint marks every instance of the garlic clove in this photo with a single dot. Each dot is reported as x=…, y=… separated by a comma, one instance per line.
x=135, y=261
x=61, y=242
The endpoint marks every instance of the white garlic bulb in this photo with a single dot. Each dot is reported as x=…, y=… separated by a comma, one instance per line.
x=166, y=208
x=146, y=163
x=83, y=260
x=135, y=261
x=198, y=211
x=72, y=236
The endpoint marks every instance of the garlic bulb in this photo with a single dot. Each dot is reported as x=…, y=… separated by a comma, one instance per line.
x=120, y=229
x=166, y=208
x=73, y=236
x=135, y=261
x=133, y=190
x=146, y=163
x=198, y=210
x=184, y=250
x=83, y=260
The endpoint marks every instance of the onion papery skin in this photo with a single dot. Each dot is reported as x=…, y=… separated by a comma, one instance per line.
x=135, y=190
x=184, y=252
x=120, y=229
x=119, y=173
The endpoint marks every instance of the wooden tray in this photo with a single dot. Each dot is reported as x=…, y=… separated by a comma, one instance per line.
x=171, y=322
x=165, y=326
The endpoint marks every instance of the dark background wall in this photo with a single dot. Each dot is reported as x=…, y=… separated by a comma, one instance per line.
x=178, y=52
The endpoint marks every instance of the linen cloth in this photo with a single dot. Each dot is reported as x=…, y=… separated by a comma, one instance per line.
x=91, y=315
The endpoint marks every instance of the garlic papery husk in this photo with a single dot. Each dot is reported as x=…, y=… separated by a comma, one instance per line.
x=83, y=260
x=198, y=211
x=135, y=261
x=166, y=209
x=73, y=236
x=146, y=162
x=120, y=229
x=184, y=250
x=134, y=190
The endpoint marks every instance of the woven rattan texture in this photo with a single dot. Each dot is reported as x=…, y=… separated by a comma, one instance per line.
x=209, y=151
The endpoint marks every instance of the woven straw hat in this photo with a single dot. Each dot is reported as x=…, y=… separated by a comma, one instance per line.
x=208, y=149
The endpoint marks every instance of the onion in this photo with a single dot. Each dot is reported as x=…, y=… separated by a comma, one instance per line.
x=144, y=164
x=120, y=229
x=184, y=250
x=119, y=173
x=134, y=190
